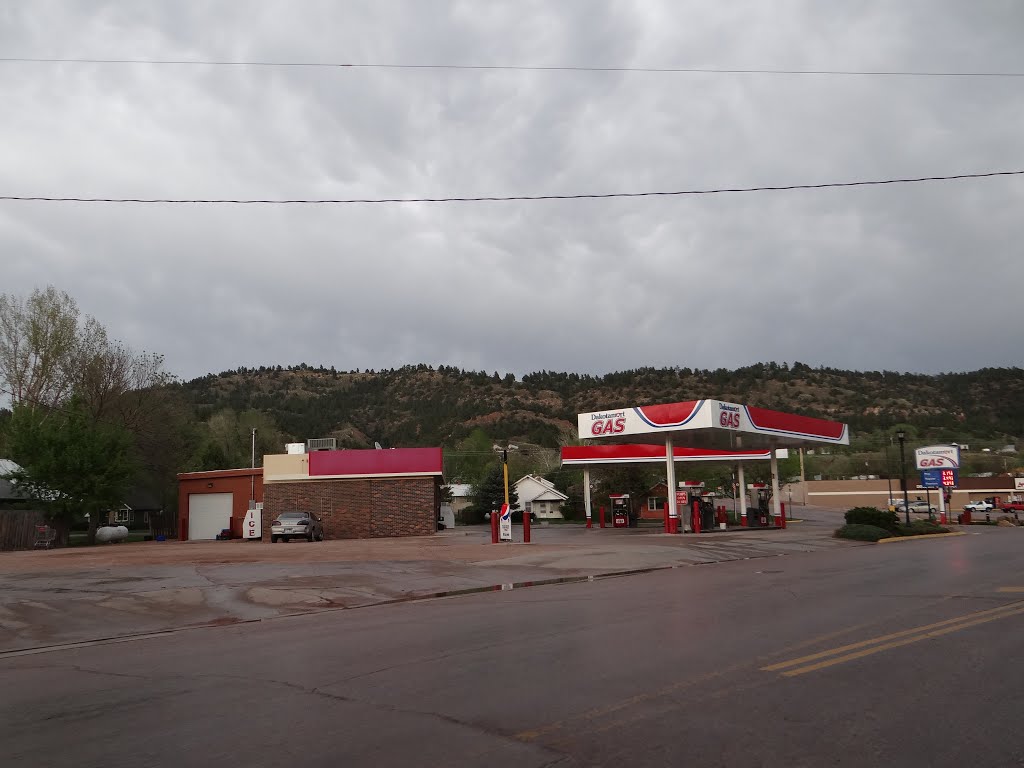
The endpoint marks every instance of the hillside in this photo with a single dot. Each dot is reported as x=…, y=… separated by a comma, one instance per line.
x=422, y=405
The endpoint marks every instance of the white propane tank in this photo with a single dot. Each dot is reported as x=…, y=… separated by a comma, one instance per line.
x=111, y=533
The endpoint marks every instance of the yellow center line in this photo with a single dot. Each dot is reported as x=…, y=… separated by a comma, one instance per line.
x=893, y=636
x=898, y=643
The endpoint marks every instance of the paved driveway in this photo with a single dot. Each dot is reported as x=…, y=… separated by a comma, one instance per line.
x=81, y=594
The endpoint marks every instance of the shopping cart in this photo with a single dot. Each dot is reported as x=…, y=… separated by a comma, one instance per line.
x=45, y=537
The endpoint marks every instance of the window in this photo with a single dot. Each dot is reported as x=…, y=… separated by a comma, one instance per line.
x=122, y=516
x=654, y=503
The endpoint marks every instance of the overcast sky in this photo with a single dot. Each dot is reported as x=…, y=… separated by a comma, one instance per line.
x=926, y=277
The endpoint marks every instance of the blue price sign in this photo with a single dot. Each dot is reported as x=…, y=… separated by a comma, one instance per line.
x=940, y=478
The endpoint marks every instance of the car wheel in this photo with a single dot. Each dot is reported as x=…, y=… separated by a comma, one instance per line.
x=310, y=537
x=273, y=539
x=320, y=536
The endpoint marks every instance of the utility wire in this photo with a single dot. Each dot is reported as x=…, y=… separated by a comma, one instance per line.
x=516, y=67
x=495, y=199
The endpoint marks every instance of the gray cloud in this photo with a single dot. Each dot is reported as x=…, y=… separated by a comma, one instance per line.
x=917, y=277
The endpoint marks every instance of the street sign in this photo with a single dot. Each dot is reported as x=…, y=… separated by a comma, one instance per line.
x=940, y=478
x=505, y=523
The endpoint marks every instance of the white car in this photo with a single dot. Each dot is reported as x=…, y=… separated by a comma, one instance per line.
x=979, y=506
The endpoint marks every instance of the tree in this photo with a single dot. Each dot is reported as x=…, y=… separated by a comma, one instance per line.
x=226, y=440
x=71, y=463
x=489, y=494
x=39, y=339
x=472, y=458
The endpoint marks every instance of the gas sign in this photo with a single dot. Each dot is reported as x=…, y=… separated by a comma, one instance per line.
x=938, y=457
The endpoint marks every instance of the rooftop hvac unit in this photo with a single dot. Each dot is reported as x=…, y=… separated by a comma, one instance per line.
x=295, y=448
x=322, y=444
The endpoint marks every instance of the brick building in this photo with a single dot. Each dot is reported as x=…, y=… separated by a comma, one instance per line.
x=211, y=502
x=357, y=493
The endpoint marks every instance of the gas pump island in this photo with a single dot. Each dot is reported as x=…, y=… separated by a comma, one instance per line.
x=697, y=431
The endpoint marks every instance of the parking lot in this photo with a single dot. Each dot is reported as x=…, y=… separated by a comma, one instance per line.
x=86, y=593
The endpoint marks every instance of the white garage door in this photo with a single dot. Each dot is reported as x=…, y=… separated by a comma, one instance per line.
x=208, y=514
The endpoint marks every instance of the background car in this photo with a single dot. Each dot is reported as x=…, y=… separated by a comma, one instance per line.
x=916, y=506
x=296, y=525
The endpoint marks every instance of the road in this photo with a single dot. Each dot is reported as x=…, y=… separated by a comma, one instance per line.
x=906, y=654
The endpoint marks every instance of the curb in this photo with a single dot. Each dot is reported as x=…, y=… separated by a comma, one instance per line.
x=892, y=539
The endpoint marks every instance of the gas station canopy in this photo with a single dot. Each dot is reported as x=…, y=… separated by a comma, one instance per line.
x=613, y=455
x=713, y=426
x=710, y=424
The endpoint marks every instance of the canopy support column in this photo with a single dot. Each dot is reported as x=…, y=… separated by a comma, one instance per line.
x=742, y=492
x=670, y=477
x=586, y=498
x=776, y=501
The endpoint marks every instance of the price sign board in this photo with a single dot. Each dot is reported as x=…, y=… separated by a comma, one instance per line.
x=940, y=478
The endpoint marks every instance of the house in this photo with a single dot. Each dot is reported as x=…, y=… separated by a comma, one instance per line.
x=540, y=497
x=653, y=507
x=461, y=494
x=142, y=510
x=9, y=496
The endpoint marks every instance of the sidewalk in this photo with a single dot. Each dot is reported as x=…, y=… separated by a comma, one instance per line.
x=81, y=594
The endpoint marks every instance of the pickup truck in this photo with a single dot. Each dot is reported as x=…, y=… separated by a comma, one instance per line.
x=1012, y=506
x=985, y=505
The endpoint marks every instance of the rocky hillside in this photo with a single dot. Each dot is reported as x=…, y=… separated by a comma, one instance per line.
x=423, y=405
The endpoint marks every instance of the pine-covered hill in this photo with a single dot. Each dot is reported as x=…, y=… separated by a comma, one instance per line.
x=422, y=405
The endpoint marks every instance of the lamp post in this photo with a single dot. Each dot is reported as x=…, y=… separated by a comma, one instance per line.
x=503, y=450
x=902, y=436
x=888, y=475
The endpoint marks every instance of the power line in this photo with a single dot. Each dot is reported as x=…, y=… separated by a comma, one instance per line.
x=515, y=67
x=501, y=199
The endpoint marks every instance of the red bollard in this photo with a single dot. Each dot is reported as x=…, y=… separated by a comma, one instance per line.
x=600, y=518
x=782, y=509
x=590, y=522
x=695, y=517
x=494, y=527
x=673, y=525
x=743, y=520
x=667, y=530
x=526, y=527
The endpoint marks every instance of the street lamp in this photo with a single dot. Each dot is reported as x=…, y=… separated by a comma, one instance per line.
x=902, y=436
x=503, y=450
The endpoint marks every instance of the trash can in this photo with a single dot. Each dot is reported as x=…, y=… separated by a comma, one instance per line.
x=620, y=519
x=753, y=518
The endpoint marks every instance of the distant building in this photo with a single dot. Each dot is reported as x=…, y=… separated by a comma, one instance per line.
x=462, y=497
x=540, y=497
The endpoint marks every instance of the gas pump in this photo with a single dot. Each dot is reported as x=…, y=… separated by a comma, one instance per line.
x=701, y=509
x=759, y=511
x=764, y=500
x=707, y=512
x=620, y=510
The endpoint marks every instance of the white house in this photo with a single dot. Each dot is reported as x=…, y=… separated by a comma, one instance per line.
x=540, y=497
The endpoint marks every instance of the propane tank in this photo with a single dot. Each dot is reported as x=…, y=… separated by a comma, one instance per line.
x=111, y=533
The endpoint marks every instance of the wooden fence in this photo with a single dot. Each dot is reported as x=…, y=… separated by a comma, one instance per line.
x=18, y=528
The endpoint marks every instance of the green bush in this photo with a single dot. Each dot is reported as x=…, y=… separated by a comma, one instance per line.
x=859, y=532
x=920, y=528
x=879, y=518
